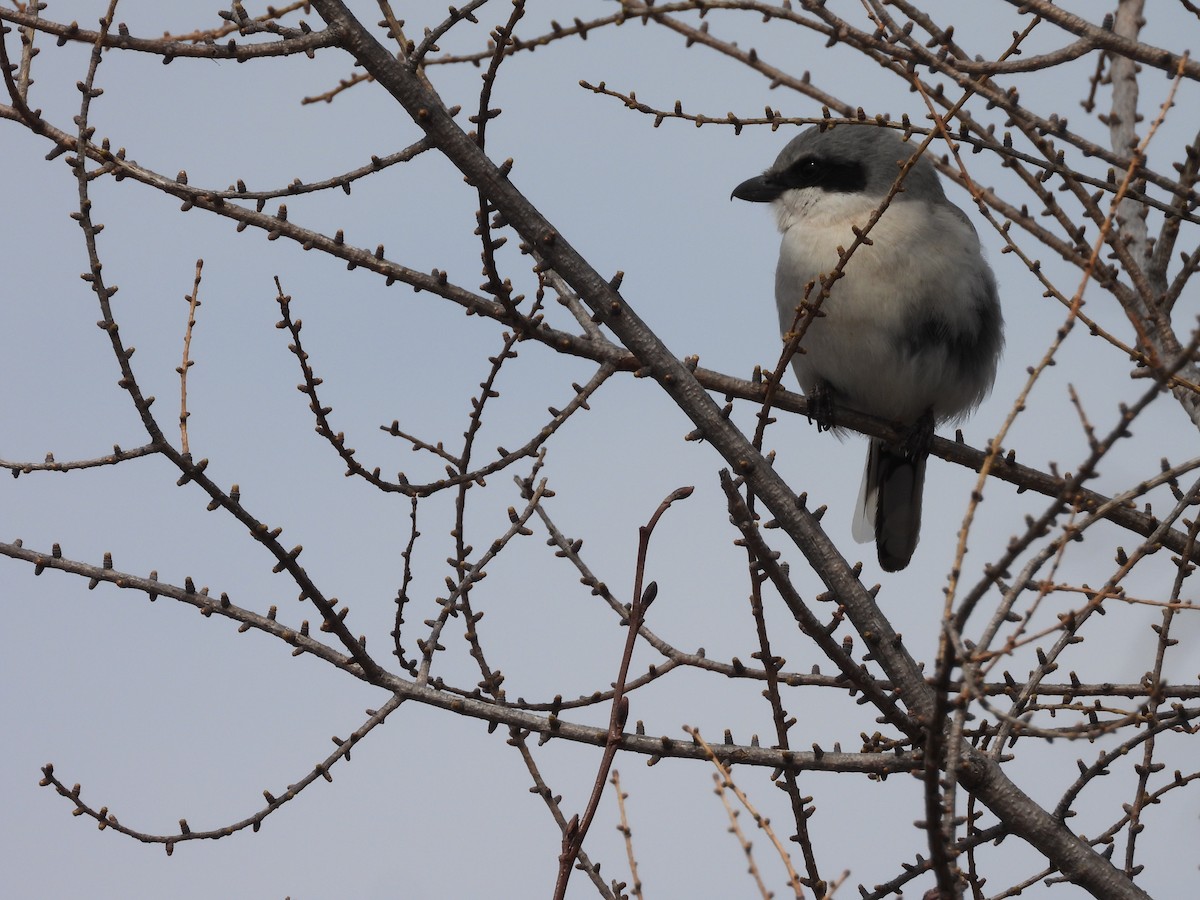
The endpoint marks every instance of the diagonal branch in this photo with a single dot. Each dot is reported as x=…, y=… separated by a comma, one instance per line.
x=982, y=775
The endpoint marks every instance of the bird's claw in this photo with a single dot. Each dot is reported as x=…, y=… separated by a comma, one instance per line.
x=917, y=437
x=821, y=407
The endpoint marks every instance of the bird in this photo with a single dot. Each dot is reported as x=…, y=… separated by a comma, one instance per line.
x=912, y=330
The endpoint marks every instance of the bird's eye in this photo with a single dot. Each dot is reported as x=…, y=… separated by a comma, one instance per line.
x=804, y=172
x=827, y=174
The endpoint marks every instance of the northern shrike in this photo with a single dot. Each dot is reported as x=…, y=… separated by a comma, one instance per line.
x=911, y=332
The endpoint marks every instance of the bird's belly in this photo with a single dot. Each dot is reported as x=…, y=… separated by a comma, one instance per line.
x=858, y=346
x=865, y=369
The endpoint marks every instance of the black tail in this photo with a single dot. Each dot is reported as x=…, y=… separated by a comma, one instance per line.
x=889, y=505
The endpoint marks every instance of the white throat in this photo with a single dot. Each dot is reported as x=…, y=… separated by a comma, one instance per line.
x=817, y=208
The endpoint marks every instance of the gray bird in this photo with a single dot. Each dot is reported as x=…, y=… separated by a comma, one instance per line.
x=911, y=333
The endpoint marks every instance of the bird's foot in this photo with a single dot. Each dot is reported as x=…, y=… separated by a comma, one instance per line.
x=821, y=407
x=917, y=437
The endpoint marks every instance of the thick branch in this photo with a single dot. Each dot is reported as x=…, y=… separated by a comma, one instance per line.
x=982, y=775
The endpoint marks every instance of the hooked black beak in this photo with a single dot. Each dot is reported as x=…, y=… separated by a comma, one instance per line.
x=759, y=189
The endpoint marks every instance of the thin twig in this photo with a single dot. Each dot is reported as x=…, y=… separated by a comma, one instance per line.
x=627, y=833
x=759, y=820
x=577, y=828
x=193, y=302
